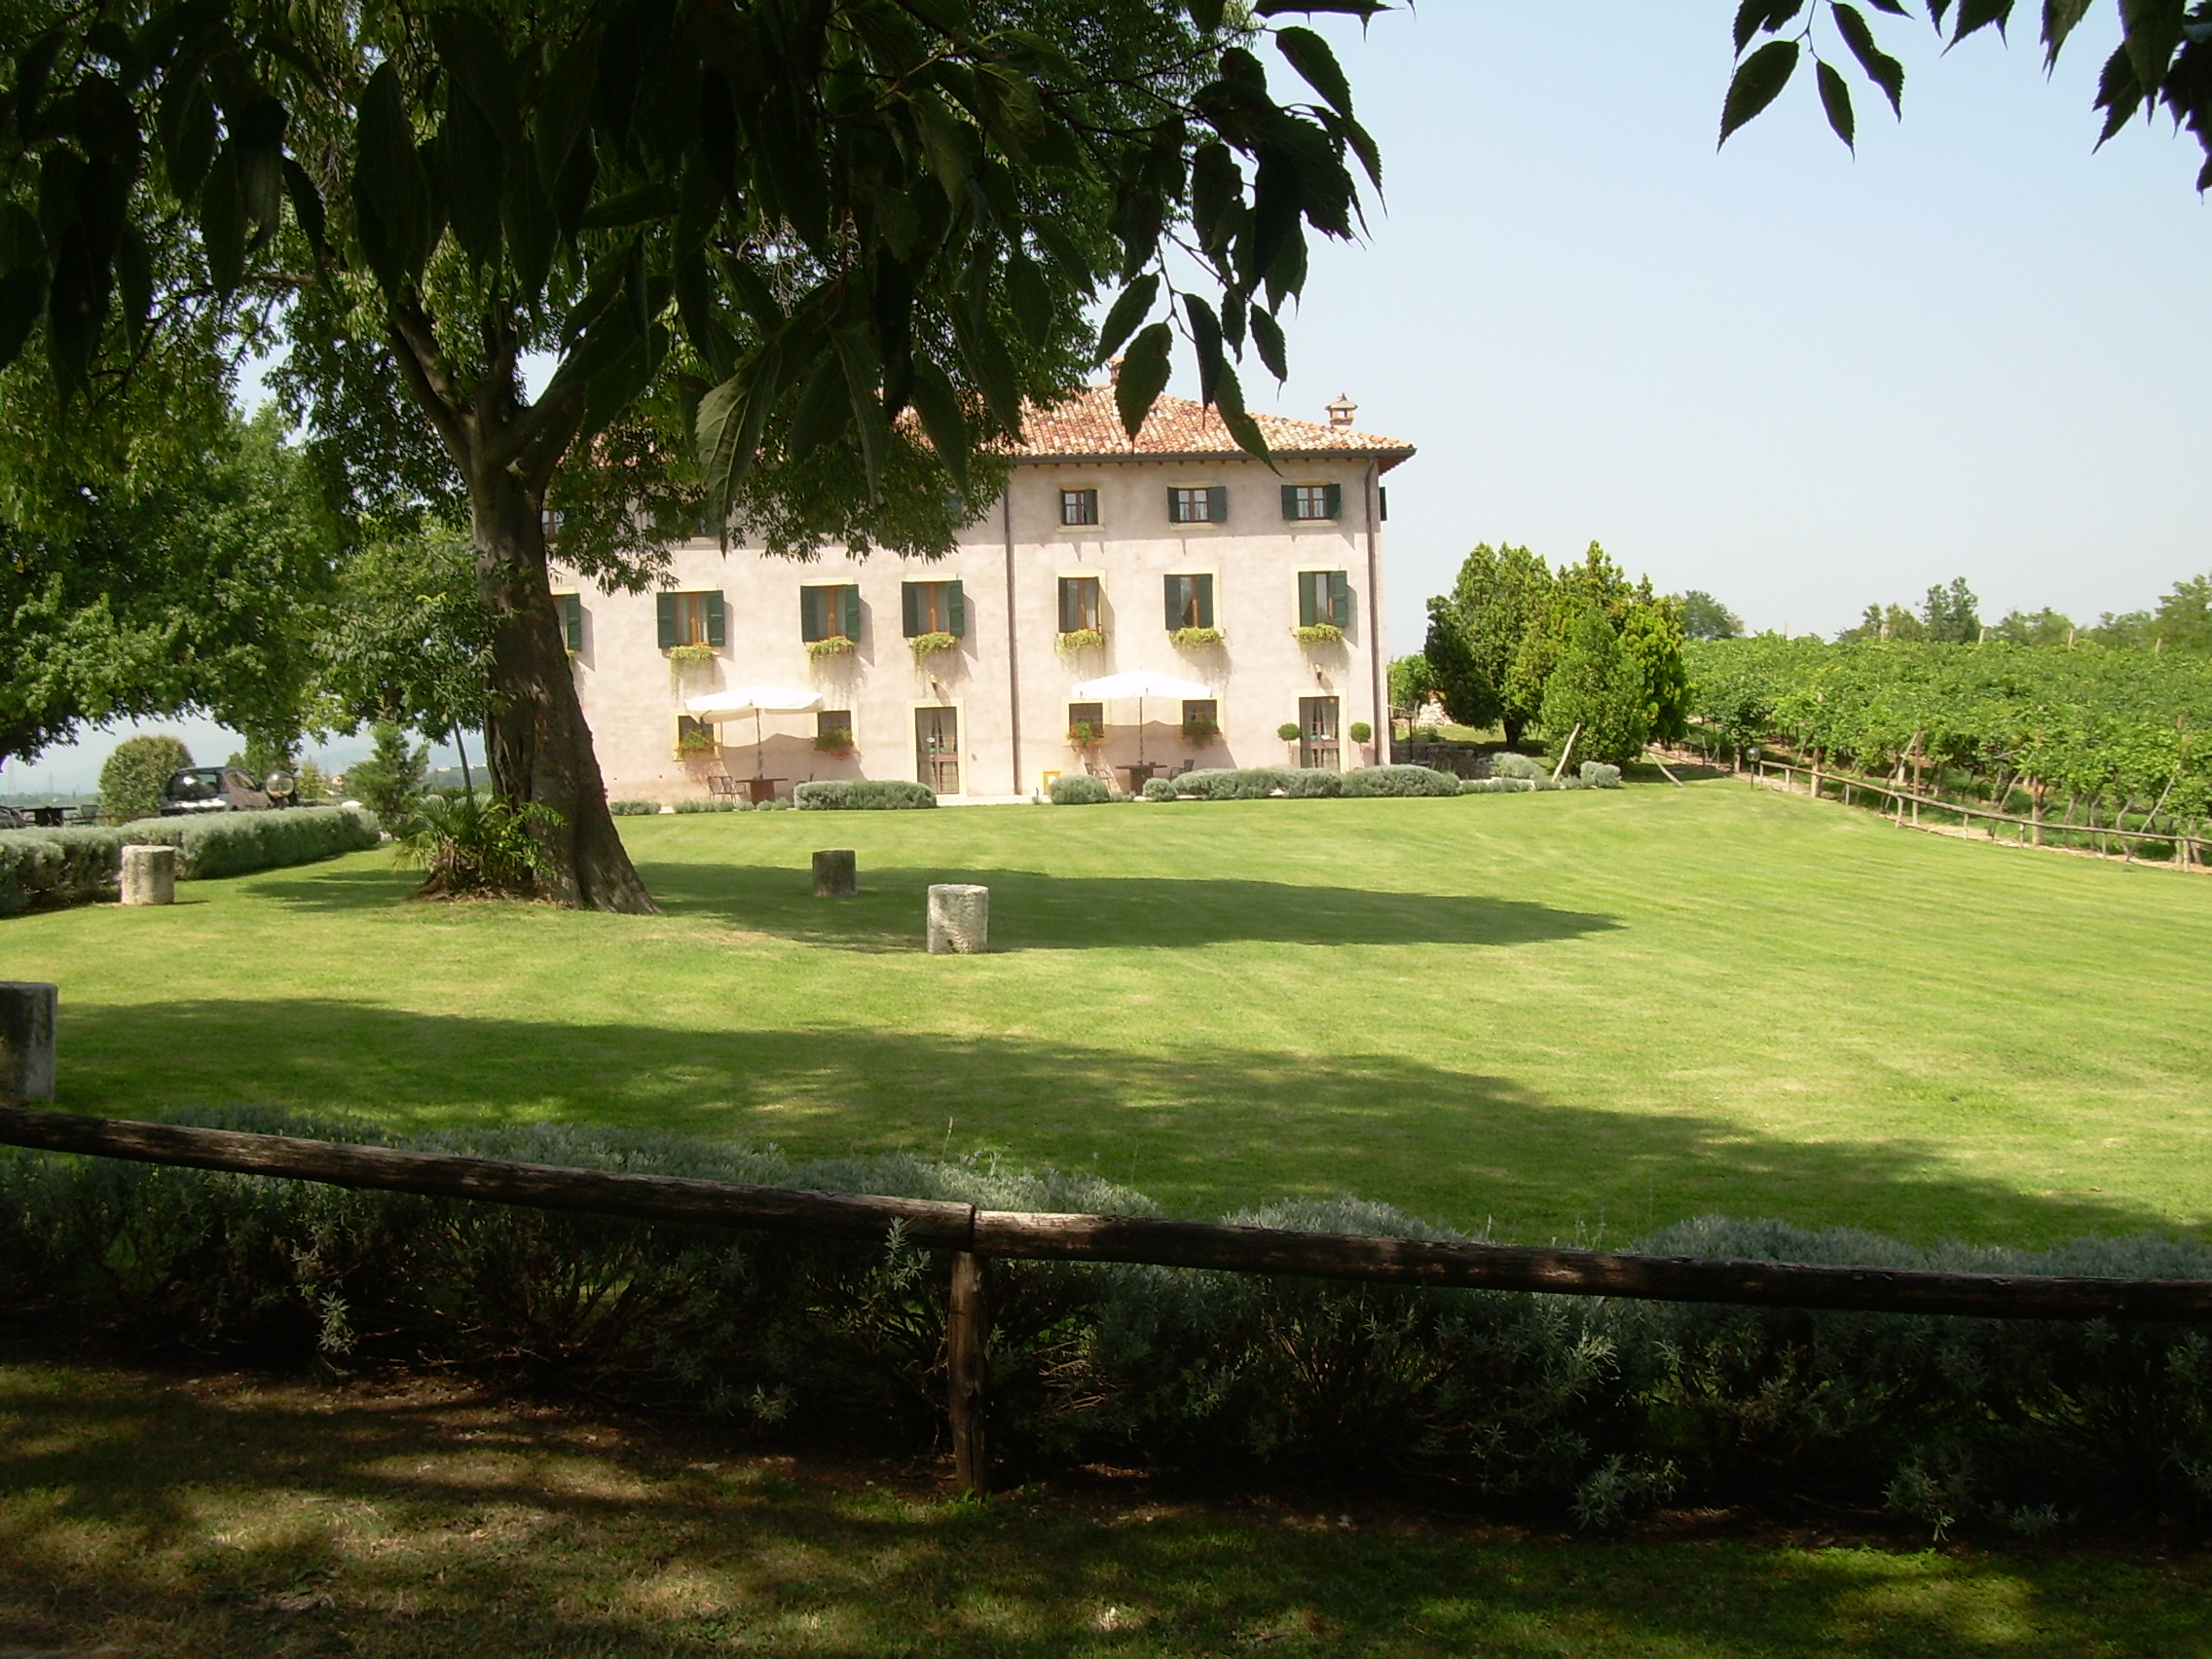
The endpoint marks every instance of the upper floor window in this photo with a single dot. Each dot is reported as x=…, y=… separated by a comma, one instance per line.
x=689, y=619
x=570, y=609
x=1324, y=595
x=933, y=608
x=1312, y=501
x=1083, y=605
x=1078, y=506
x=1205, y=506
x=1190, y=602
x=830, y=612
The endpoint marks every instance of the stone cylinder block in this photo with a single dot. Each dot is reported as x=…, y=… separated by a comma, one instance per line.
x=960, y=919
x=149, y=875
x=26, y=1040
x=836, y=873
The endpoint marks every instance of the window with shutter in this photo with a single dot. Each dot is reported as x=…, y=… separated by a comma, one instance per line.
x=810, y=619
x=1190, y=602
x=849, y=611
x=1335, y=500
x=1311, y=500
x=664, y=620
x=1339, y=599
x=829, y=612
x=1208, y=506
x=717, y=627
x=1217, y=504
x=935, y=607
x=572, y=608
x=956, y=610
x=910, y=608
x=1078, y=506
x=1081, y=604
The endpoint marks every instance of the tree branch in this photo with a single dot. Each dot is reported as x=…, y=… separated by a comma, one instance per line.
x=414, y=346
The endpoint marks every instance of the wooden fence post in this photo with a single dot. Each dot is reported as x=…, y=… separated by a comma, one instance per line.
x=968, y=1373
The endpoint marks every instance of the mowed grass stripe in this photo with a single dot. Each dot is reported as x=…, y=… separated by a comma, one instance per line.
x=1557, y=1015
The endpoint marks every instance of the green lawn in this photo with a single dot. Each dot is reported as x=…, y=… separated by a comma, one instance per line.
x=1570, y=1015
x=170, y=1518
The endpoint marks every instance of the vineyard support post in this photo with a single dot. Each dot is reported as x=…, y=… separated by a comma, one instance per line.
x=968, y=1363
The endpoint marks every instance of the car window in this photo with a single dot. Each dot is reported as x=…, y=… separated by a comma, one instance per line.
x=202, y=784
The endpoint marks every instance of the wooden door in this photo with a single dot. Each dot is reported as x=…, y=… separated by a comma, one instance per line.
x=937, y=748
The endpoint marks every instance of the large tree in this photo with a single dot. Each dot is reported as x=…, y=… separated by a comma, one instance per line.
x=794, y=261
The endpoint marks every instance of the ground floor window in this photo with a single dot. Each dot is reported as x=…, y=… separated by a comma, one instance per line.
x=696, y=740
x=1087, y=726
x=833, y=731
x=1201, y=721
x=1317, y=732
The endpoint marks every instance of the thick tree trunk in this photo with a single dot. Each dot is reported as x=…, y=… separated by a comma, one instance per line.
x=536, y=740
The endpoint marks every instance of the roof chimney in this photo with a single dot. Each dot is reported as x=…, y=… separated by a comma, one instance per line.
x=1342, y=411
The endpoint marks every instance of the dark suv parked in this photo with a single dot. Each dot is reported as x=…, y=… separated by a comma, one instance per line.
x=213, y=788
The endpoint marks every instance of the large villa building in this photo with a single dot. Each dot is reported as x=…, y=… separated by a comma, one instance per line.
x=1176, y=557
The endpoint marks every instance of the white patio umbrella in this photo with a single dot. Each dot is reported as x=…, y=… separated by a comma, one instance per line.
x=755, y=700
x=1140, y=684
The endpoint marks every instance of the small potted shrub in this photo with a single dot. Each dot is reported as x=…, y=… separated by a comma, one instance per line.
x=836, y=743
x=697, y=743
x=690, y=653
x=1362, y=732
x=1201, y=731
x=927, y=646
x=1082, y=640
x=1085, y=736
x=1287, y=731
x=1193, y=639
x=836, y=645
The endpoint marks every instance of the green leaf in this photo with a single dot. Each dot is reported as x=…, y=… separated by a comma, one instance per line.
x=1266, y=336
x=1884, y=71
x=1130, y=307
x=564, y=107
x=1310, y=54
x=2058, y=19
x=729, y=421
x=473, y=164
x=861, y=377
x=222, y=223
x=1205, y=335
x=389, y=177
x=306, y=205
x=2119, y=94
x=1836, y=98
x=23, y=296
x=2153, y=35
x=1757, y=82
x=938, y=405
x=1975, y=15
x=1205, y=15
x=185, y=123
x=75, y=309
x=824, y=409
x=1217, y=193
x=476, y=59
x=1757, y=17
x=1361, y=9
x=1143, y=377
x=134, y=280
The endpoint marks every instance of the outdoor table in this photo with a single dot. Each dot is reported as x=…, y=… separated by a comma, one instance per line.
x=1141, y=773
x=762, y=789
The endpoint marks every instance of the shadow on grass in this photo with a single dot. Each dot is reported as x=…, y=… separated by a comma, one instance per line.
x=1200, y=1131
x=170, y=1518
x=1034, y=911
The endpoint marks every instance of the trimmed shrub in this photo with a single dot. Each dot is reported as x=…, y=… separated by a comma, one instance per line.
x=633, y=808
x=216, y=845
x=41, y=868
x=1160, y=789
x=1601, y=775
x=1080, y=789
x=1505, y=763
x=137, y=775
x=712, y=803
x=1584, y=1407
x=78, y=867
x=860, y=795
x=1257, y=782
x=1399, y=781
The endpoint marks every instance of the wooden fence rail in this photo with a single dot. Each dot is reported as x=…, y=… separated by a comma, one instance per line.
x=973, y=1235
x=2192, y=850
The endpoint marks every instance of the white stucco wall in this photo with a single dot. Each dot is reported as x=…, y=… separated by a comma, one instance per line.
x=632, y=694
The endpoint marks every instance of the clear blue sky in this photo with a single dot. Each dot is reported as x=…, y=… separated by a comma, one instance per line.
x=1800, y=379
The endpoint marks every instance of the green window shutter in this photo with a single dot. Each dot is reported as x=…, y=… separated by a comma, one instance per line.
x=1205, y=600
x=1067, y=606
x=1305, y=616
x=573, y=620
x=1173, y=516
x=849, y=611
x=664, y=617
x=1290, y=501
x=1175, y=604
x=956, y=609
x=1217, y=508
x=910, y=608
x=1339, y=598
x=1336, y=500
x=716, y=628
x=809, y=615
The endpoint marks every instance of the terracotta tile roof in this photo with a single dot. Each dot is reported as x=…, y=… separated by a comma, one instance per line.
x=1088, y=426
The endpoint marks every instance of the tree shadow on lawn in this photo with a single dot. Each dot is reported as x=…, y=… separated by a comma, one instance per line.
x=1032, y=911
x=1202, y=1129
x=175, y=1516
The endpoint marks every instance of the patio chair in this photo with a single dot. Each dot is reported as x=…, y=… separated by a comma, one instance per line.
x=721, y=786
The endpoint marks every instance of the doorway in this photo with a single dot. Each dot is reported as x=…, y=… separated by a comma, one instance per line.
x=1317, y=732
x=936, y=748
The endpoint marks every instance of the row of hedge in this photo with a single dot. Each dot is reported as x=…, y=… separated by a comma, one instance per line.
x=1313, y=782
x=41, y=868
x=1552, y=1404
